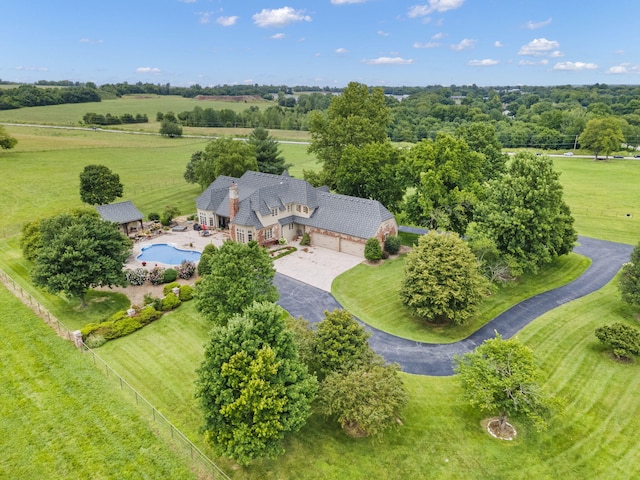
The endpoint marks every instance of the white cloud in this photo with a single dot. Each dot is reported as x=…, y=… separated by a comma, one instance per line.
x=389, y=61
x=624, y=68
x=91, y=42
x=187, y=1
x=438, y=36
x=544, y=61
x=227, y=21
x=31, y=68
x=575, y=66
x=556, y=54
x=487, y=62
x=343, y=2
x=497, y=44
x=433, y=6
x=382, y=33
x=278, y=36
x=464, y=44
x=342, y=50
x=153, y=70
x=534, y=25
x=426, y=45
x=619, y=52
x=279, y=17
x=205, y=17
x=538, y=47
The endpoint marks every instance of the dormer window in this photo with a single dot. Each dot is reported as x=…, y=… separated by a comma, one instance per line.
x=305, y=209
x=274, y=212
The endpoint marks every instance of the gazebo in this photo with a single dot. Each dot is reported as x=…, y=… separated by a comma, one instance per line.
x=124, y=214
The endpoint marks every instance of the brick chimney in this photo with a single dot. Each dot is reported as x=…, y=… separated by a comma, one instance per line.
x=234, y=201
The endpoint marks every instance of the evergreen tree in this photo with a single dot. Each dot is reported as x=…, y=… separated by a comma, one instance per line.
x=268, y=154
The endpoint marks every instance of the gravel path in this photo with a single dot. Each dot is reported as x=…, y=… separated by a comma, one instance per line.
x=300, y=299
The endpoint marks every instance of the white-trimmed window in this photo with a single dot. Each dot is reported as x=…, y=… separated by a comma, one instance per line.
x=268, y=234
x=274, y=212
x=249, y=236
x=203, y=219
x=240, y=238
x=298, y=208
x=288, y=207
x=305, y=209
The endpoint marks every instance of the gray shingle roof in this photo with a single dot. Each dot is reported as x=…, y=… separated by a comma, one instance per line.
x=121, y=212
x=260, y=192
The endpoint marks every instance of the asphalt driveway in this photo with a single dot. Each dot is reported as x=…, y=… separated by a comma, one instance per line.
x=301, y=299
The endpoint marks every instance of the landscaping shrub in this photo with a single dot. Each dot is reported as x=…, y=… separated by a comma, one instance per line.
x=392, y=245
x=156, y=275
x=150, y=300
x=186, y=269
x=282, y=251
x=148, y=314
x=306, y=240
x=153, y=217
x=169, y=275
x=88, y=329
x=136, y=277
x=624, y=339
x=95, y=341
x=169, y=302
x=118, y=325
x=186, y=293
x=282, y=241
x=372, y=250
x=170, y=286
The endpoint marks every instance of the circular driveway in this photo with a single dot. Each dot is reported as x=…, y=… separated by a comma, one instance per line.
x=303, y=300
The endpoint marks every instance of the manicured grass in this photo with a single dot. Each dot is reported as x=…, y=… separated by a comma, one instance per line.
x=60, y=418
x=595, y=436
x=601, y=194
x=379, y=304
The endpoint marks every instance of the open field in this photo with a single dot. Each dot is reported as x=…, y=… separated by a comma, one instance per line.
x=61, y=419
x=595, y=437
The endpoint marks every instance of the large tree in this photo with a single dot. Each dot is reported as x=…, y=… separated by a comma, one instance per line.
x=602, y=135
x=448, y=177
x=524, y=213
x=629, y=285
x=252, y=387
x=268, y=153
x=6, y=140
x=76, y=252
x=356, y=117
x=222, y=156
x=501, y=377
x=170, y=128
x=375, y=170
x=442, y=281
x=357, y=389
x=339, y=343
x=99, y=185
x=239, y=274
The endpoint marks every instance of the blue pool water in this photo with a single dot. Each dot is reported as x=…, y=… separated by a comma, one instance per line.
x=167, y=254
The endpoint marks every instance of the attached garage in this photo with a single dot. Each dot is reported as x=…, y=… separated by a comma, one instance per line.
x=352, y=248
x=325, y=241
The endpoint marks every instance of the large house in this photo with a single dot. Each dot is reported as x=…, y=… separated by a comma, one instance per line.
x=265, y=208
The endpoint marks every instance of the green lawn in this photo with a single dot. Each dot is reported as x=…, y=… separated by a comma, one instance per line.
x=60, y=418
x=601, y=194
x=371, y=294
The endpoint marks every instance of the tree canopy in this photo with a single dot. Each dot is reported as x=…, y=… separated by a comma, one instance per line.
x=268, y=154
x=629, y=285
x=99, y=185
x=251, y=386
x=170, y=128
x=602, y=135
x=222, y=156
x=239, y=274
x=501, y=377
x=75, y=252
x=623, y=339
x=442, y=280
x=375, y=170
x=524, y=213
x=356, y=117
x=6, y=140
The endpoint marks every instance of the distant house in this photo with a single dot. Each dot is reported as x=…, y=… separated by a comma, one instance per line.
x=124, y=214
x=265, y=207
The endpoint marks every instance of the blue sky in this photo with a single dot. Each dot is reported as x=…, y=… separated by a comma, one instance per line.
x=322, y=42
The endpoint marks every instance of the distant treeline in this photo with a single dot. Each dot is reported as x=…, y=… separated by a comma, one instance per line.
x=32, y=96
x=108, y=119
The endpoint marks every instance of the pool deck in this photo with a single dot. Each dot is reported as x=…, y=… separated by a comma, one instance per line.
x=187, y=240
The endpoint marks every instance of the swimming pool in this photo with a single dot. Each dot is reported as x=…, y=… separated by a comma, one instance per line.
x=167, y=254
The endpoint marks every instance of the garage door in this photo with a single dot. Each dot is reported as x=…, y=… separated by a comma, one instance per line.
x=325, y=241
x=352, y=248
